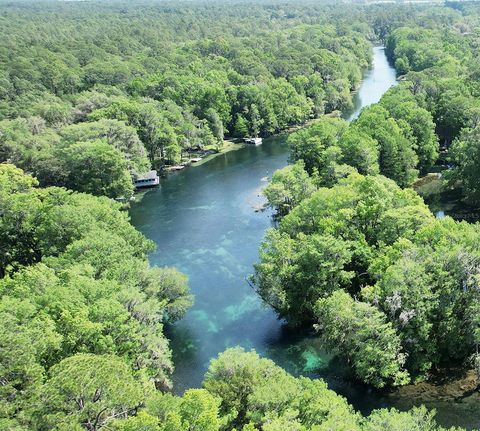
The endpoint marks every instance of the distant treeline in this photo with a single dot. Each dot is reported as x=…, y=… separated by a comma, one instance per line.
x=118, y=88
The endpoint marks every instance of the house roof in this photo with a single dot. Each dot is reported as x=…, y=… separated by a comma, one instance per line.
x=150, y=175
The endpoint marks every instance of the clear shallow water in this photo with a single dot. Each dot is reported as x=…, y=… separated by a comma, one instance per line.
x=205, y=221
x=375, y=83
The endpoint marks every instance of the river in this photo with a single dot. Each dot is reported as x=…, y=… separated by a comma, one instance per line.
x=205, y=222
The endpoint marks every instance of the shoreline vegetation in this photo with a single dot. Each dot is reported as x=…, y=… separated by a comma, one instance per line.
x=390, y=289
x=233, y=144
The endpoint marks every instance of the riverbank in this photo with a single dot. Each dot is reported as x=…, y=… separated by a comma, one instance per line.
x=235, y=144
x=362, y=96
x=228, y=145
x=453, y=394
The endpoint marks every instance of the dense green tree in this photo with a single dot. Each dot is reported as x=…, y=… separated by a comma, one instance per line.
x=417, y=419
x=93, y=292
x=361, y=334
x=295, y=272
x=328, y=241
x=53, y=157
x=418, y=123
x=141, y=422
x=465, y=155
x=375, y=142
x=256, y=391
x=116, y=133
x=96, y=167
x=181, y=90
x=198, y=410
x=397, y=158
x=24, y=140
x=88, y=390
x=360, y=150
x=428, y=290
x=270, y=399
x=18, y=222
x=25, y=336
x=241, y=127
x=288, y=187
x=310, y=144
x=215, y=123
x=234, y=376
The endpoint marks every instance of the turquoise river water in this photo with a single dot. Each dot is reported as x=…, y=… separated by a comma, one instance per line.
x=205, y=222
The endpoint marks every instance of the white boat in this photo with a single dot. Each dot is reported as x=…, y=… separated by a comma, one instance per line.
x=253, y=141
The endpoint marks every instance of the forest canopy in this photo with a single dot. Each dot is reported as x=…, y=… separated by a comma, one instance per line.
x=361, y=257
x=155, y=94
x=93, y=94
x=76, y=281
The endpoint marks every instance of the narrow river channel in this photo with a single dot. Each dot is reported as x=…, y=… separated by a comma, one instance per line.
x=205, y=221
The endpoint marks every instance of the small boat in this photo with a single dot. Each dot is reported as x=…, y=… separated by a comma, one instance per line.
x=195, y=159
x=177, y=167
x=149, y=179
x=253, y=141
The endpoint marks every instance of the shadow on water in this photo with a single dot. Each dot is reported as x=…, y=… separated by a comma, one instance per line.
x=445, y=201
x=205, y=221
x=450, y=203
